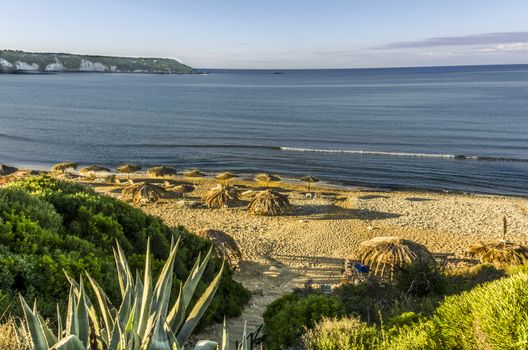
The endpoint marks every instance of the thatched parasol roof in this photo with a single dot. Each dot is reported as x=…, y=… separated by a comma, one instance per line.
x=225, y=176
x=7, y=170
x=221, y=196
x=142, y=193
x=502, y=252
x=94, y=169
x=386, y=254
x=309, y=180
x=269, y=203
x=128, y=168
x=224, y=244
x=162, y=171
x=264, y=177
x=183, y=188
x=63, y=167
x=193, y=173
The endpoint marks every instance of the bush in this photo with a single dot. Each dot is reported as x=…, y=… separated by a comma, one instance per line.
x=420, y=279
x=341, y=334
x=287, y=318
x=47, y=226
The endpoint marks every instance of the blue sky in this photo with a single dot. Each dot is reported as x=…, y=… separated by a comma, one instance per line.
x=276, y=34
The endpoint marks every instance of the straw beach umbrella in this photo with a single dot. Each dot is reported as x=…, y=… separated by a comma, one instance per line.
x=193, y=173
x=64, y=167
x=224, y=245
x=309, y=180
x=269, y=203
x=92, y=169
x=7, y=170
x=162, y=171
x=183, y=189
x=385, y=255
x=128, y=168
x=225, y=176
x=502, y=252
x=221, y=196
x=142, y=193
x=267, y=178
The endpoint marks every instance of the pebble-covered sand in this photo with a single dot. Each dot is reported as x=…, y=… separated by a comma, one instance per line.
x=280, y=253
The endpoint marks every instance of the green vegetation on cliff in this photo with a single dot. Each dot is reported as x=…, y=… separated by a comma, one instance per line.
x=12, y=61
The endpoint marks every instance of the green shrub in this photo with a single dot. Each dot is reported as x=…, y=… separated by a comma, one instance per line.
x=47, y=226
x=420, y=279
x=288, y=317
x=341, y=334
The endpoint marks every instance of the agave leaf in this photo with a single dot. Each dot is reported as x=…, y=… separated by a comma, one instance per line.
x=123, y=270
x=138, y=301
x=72, y=321
x=59, y=323
x=177, y=315
x=82, y=314
x=161, y=296
x=37, y=334
x=194, y=277
x=172, y=338
x=225, y=336
x=206, y=345
x=244, y=342
x=117, y=334
x=50, y=337
x=199, y=309
x=146, y=295
x=159, y=339
x=70, y=342
x=104, y=306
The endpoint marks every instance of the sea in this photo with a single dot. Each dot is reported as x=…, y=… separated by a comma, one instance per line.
x=453, y=129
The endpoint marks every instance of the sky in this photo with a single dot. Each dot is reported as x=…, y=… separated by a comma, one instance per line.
x=276, y=33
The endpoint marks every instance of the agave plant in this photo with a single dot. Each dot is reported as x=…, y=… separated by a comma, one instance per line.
x=143, y=321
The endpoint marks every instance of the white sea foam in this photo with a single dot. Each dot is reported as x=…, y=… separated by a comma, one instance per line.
x=365, y=152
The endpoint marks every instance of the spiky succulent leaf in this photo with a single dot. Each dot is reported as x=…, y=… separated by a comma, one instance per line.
x=48, y=334
x=37, y=334
x=70, y=342
x=225, y=336
x=206, y=345
x=146, y=295
x=82, y=315
x=161, y=296
x=198, y=310
x=104, y=307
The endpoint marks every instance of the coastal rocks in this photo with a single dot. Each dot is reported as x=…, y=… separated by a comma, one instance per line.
x=23, y=66
x=7, y=170
x=5, y=64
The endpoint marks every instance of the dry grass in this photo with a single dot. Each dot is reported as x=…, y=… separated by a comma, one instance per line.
x=14, y=336
x=142, y=193
x=386, y=254
x=64, y=167
x=162, y=171
x=502, y=252
x=221, y=196
x=269, y=203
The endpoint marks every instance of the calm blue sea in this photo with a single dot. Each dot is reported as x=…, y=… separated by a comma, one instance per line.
x=390, y=128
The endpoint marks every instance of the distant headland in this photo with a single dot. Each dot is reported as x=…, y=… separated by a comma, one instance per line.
x=15, y=61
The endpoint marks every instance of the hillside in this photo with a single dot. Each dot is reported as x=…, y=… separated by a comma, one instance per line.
x=12, y=61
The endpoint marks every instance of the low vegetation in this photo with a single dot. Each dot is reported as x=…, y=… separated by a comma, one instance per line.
x=475, y=308
x=48, y=227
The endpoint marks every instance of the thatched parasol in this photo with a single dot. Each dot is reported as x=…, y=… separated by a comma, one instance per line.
x=128, y=168
x=225, y=176
x=162, y=171
x=221, y=196
x=7, y=170
x=64, y=167
x=183, y=189
x=224, y=244
x=385, y=255
x=502, y=252
x=269, y=203
x=194, y=173
x=267, y=178
x=309, y=180
x=92, y=169
x=142, y=193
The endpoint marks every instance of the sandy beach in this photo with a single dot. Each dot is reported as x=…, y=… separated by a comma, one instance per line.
x=281, y=253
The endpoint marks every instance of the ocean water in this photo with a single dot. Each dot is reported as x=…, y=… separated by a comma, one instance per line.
x=453, y=129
